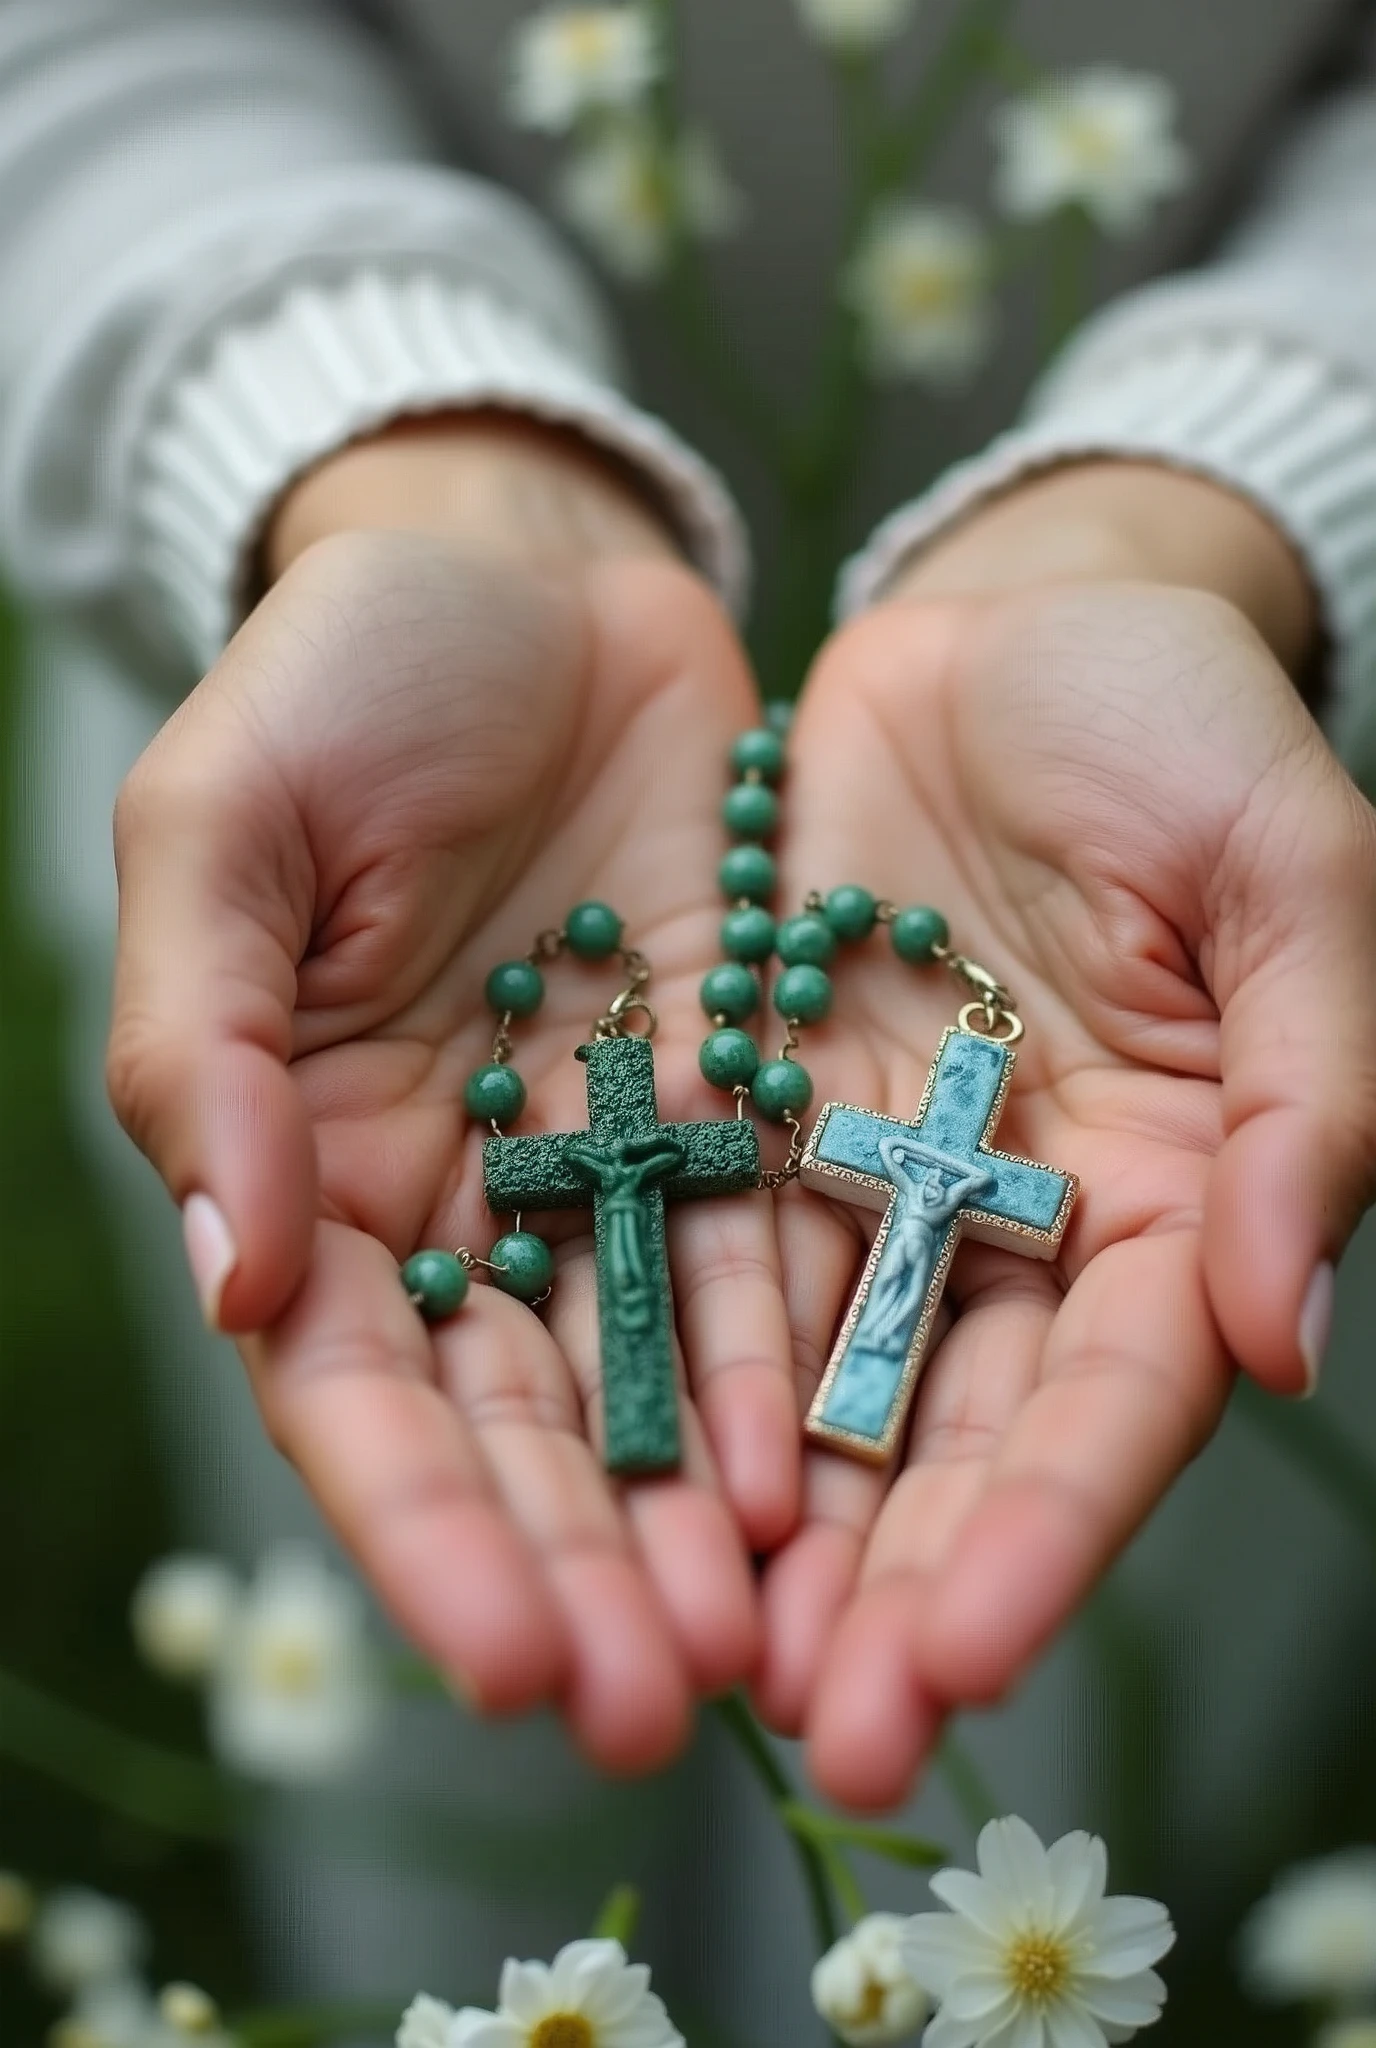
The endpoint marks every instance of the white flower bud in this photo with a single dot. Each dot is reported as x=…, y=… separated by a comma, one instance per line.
x=181, y=1612
x=862, y=1988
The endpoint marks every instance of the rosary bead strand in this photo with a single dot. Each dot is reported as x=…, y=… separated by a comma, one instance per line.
x=521, y=1263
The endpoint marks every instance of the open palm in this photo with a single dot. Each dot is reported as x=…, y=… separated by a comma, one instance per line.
x=1121, y=806
x=404, y=767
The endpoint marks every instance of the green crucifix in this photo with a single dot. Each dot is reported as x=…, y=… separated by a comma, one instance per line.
x=627, y=1165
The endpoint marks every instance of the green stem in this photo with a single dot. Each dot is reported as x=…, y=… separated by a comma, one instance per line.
x=966, y=1784
x=177, y=1795
x=828, y=1831
x=972, y=47
x=1309, y=1438
x=618, y=1916
x=750, y=1739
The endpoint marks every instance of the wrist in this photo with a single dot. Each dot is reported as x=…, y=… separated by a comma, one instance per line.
x=1100, y=521
x=496, y=482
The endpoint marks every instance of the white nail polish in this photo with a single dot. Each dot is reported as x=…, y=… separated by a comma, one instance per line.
x=1316, y=1321
x=210, y=1250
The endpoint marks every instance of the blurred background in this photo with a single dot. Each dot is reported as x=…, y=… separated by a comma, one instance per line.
x=1211, y=1714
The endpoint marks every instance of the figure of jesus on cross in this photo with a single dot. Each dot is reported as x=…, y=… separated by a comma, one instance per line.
x=935, y=1179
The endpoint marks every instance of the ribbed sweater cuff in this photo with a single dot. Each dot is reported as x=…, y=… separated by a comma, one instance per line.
x=328, y=365
x=1280, y=425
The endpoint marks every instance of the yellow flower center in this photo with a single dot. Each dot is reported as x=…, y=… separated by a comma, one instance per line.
x=1037, y=1966
x=869, y=2008
x=285, y=1664
x=563, y=2030
x=926, y=291
x=1092, y=142
x=587, y=38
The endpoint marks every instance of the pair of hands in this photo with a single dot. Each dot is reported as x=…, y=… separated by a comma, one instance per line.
x=422, y=747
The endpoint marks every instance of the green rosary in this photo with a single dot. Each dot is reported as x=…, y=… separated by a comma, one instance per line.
x=933, y=1179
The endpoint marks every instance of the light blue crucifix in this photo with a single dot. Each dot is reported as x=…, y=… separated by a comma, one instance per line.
x=936, y=1179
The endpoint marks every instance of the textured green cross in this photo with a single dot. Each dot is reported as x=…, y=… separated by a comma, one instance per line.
x=627, y=1165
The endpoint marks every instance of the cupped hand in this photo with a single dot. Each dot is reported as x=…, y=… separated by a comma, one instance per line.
x=1117, y=798
x=409, y=762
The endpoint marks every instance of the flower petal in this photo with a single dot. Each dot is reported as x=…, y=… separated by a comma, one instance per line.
x=1012, y=1859
x=982, y=1995
x=970, y=1896
x=1133, y=2002
x=525, y=1992
x=1126, y=1934
x=1078, y=1864
x=938, y=1946
x=946, y=2032
x=475, y=2029
x=1069, y=2026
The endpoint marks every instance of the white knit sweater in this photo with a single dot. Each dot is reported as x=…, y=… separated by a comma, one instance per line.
x=229, y=242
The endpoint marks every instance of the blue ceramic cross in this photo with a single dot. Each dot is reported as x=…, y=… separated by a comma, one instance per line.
x=936, y=1179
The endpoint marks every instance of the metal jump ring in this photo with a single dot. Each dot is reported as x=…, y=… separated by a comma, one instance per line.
x=974, y=1018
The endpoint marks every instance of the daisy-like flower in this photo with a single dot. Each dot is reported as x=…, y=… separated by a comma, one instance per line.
x=82, y=1938
x=181, y=1612
x=919, y=285
x=588, y=1997
x=1103, y=139
x=1314, y=1934
x=862, y=1986
x=625, y=192
x=296, y=1693
x=853, y=25
x=569, y=61
x=1032, y=1955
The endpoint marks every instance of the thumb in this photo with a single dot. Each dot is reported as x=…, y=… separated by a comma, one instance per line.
x=216, y=893
x=1295, y=982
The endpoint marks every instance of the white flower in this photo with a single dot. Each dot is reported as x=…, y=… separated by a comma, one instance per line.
x=83, y=1938
x=919, y=285
x=1032, y=1953
x=181, y=1612
x=189, y=2011
x=1347, y=2034
x=856, y=24
x=862, y=1988
x=1102, y=138
x=568, y=61
x=296, y=1693
x=625, y=193
x=119, y=2014
x=425, y=2023
x=588, y=1997
x=1314, y=1934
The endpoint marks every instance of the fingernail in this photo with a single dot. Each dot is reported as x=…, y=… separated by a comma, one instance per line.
x=210, y=1250
x=1316, y=1320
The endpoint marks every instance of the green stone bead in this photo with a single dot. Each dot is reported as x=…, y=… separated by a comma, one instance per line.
x=917, y=932
x=750, y=810
x=730, y=991
x=748, y=933
x=729, y=1059
x=806, y=941
x=780, y=1087
x=747, y=871
x=437, y=1283
x=778, y=715
x=593, y=930
x=851, y=911
x=761, y=750
x=803, y=994
x=522, y=1264
x=516, y=986
x=494, y=1094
